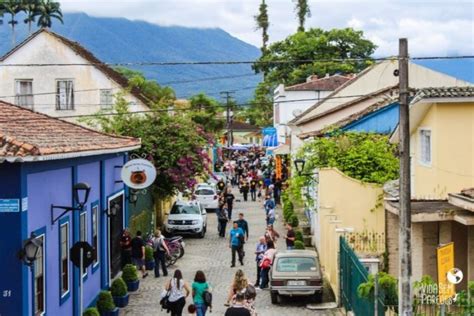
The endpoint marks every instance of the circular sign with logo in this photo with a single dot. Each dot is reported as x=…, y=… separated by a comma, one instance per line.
x=455, y=276
x=138, y=174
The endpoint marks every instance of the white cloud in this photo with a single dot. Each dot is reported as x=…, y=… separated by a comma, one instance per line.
x=433, y=27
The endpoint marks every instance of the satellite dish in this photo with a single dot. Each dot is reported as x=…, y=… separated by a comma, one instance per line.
x=297, y=112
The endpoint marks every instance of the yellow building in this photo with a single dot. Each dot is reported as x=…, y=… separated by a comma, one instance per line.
x=442, y=165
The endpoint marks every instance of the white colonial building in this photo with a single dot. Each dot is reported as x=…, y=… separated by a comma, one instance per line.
x=51, y=74
x=291, y=101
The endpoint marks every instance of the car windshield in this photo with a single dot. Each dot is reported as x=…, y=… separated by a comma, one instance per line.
x=297, y=264
x=204, y=192
x=185, y=209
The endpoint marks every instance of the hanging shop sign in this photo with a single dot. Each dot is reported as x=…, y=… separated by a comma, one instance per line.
x=138, y=174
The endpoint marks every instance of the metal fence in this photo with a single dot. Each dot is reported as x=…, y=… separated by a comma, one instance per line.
x=352, y=274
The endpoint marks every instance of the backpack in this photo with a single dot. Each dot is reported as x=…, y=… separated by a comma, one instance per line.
x=207, y=297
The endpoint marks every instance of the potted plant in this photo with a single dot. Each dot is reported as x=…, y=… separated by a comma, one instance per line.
x=91, y=311
x=119, y=292
x=130, y=276
x=105, y=304
x=149, y=259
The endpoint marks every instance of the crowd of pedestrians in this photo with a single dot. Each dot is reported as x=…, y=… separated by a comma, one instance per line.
x=252, y=176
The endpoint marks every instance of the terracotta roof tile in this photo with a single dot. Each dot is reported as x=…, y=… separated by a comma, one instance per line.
x=24, y=132
x=320, y=84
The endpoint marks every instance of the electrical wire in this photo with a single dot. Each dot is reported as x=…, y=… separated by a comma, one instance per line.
x=239, y=62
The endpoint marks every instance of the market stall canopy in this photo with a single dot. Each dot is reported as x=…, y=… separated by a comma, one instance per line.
x=282, y=149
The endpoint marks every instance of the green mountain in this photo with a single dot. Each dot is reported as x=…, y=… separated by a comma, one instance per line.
x=118, y=40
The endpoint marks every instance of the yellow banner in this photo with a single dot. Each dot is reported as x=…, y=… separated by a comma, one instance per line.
x=445, y=256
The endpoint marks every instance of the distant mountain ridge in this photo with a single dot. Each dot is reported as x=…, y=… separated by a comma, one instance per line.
x=118, y=40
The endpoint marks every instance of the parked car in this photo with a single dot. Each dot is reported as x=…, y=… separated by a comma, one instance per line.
x=296, y=273
x=207, y=196
x=186, y=217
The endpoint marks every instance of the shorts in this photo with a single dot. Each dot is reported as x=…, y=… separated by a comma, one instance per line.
x=138, y=262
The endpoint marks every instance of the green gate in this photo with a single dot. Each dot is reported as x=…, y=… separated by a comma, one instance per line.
x=352, y=273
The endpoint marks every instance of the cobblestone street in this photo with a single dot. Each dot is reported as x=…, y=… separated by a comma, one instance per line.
x=212, y=255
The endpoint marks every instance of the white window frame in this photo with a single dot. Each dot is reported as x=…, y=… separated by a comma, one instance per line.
x=96, y=227
x=81, y=216
x=421, y=159
x=41, y=237
x=71, y=105
x=65, y=224
x=106, y=104
x=19, y=96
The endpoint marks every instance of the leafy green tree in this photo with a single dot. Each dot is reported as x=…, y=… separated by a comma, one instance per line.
x=47, y=11
x=12, y=7
x=158, y=97
x=31, y=8
x=368, y=157
x=175, y=144
x=311, y=51
x=262, y=24
x=2, y=12
x=204, y=111
x=260, y=109
x=302, y=11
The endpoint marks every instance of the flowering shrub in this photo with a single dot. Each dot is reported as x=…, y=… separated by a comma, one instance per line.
x=175, y=144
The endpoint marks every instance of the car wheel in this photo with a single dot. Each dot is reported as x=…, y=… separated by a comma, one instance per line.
x=202, y=233
x=274, y=297
x=318, y=297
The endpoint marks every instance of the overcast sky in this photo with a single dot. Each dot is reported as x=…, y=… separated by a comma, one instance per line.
x=432, y=27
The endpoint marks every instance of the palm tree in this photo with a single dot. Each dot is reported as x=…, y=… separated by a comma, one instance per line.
x=302, y=11
x=12, y=7
x=31, y=9
x=47, y=11
x=262, y=23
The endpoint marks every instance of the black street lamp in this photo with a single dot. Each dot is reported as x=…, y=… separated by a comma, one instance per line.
x=80, y=194
x=30, y=250
x=299, y=165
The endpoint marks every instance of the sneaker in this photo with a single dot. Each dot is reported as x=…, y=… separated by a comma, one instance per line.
x=145, y=275
x=232, y=265
x=242, y=262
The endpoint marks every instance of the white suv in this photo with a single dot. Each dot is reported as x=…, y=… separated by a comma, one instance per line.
x=207, y=196
x=186, y=217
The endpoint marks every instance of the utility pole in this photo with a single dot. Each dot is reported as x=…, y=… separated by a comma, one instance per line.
x=228, y=97
x=405, y=304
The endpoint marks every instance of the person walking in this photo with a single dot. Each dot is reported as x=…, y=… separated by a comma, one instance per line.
x=271, y=216
x=290, y=237
x=238, y=308
x=235, y=243
x=253, y=189
x=138, y=253
x=222, y=221
x=239, y=284
x=269, y=203
x=126, y=248
x=229, y=199
x=245, y=189
x=178, y=291
x=200, y=286
x=266, y=264
x=160, y=249
x=271, y=234
x=242, y=223
x=259, y=251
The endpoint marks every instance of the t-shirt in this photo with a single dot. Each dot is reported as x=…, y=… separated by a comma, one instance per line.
x=229, y=197
x=242, y=223
x=137, y=244
x=158, y=244
x=235, y=235
x=199, y=289
x=290, y=243
x=237, y=310
x=221, y=185
x=253, y=184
